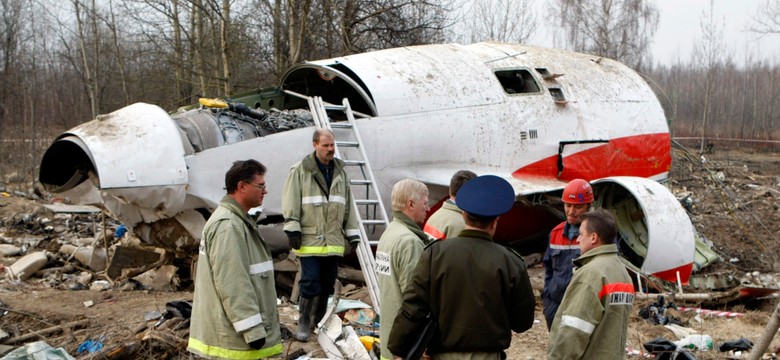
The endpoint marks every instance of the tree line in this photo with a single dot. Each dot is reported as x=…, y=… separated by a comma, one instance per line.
x=64, y=62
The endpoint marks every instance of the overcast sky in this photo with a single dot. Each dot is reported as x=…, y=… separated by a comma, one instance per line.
x=679, y=28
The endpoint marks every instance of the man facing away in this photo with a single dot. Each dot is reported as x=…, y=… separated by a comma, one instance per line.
x=319, y=223
x=477, y=290
x=577, y=199
x=448, y=220
x=234, y=314
x=399, y=249
x=593, y=318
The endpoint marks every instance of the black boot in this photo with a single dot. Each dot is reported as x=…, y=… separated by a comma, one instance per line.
x=320, y=307
x=305, y=307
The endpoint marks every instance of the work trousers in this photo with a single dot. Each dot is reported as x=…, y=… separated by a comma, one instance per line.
x=318, y=275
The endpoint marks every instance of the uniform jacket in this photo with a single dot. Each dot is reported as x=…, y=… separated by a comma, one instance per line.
x=558, y=268
x=235, y=295
x=593, y=318
x=478, y=291
x=323, y=215
x=396, y=257
x=445, y=222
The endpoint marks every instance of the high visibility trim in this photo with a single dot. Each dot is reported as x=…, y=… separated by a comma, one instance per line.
x=565, y=247
x=577, y=323
x=352, y=232
x=313, y=200
x=197, y=346
x=320, y=250
x=616, y=288
x=248, y=323
x=261, y=267
x=434, y=232
x=338, y=199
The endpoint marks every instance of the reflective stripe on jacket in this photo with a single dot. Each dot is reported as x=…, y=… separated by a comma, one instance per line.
x=323, y=216
x=396, y=257
x=593, y=318
x=445, y=222
x=558, y=269
x=235, y=294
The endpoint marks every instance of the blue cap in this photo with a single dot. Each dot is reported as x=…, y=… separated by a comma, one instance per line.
x=486, y=196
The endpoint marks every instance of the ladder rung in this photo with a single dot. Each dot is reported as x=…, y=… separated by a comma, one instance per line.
x=366, y=202
x=372, y=222
x=354, y=162
x=360, y=182
x=341, y=125
x=335, y=107
x=347, y=143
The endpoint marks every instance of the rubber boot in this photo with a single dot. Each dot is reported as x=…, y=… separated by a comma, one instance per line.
x=320, y=306
x=306, y=307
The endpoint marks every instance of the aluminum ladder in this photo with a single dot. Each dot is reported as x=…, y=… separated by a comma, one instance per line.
x=367, y=202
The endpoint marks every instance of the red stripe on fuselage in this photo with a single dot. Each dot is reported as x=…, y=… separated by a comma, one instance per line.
x=644, y=155
x=616, y=288
x=671, y=274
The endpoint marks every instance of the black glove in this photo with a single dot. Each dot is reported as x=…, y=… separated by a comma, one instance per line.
x=295, y=239
x=352, y=247
x=257, y=344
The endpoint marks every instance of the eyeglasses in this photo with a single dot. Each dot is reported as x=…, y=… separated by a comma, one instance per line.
x=259, y=186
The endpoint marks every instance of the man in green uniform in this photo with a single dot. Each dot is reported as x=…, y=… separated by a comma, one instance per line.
x=592, y=321
x=234, y=313
x=478, y=291
x=448, y=220
x=319, y=222
x=399, y=249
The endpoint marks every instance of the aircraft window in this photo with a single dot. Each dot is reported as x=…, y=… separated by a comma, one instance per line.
x=517, y=81
x=557, y=95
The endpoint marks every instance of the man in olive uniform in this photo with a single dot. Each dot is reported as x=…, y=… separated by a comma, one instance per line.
x=399, y=249
x=592, y=320
x=234, y=313
x=448, y=220
x=478, y=291
x=319, y=223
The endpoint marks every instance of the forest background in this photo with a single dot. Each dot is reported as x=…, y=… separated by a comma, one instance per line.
x=64, y=62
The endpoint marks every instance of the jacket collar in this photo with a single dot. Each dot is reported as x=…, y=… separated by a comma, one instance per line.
x=450, y=205
x=593, y=253
x=234, y=208
x=410, y=224
x=475, y=234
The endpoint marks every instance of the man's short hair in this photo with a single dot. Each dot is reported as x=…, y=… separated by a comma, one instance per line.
x=405, y=190
x=601, y=222
x=242, y=171
x=479, y=222
x=460, y=178
x=318, y=133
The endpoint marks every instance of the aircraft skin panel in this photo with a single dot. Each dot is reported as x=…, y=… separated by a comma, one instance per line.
x=442, y=77
x=647, y=155
x=670, y=244
x=133, y=147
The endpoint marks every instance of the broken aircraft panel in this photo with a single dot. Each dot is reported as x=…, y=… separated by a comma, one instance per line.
x=535, y=116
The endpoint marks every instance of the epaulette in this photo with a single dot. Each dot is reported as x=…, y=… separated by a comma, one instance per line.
x=513, y=251
x=431, y=244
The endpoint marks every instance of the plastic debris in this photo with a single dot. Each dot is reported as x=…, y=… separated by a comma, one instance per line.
x=700, y=342
x=740, y=345
x=90, y=346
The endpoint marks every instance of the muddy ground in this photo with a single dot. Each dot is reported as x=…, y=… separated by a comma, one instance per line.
x=732, y=200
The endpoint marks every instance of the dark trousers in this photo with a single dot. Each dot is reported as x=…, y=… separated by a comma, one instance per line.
x=318, y=274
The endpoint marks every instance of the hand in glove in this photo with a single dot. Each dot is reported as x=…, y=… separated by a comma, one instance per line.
x=352, y=247
x=295, y=239
x=257, y=344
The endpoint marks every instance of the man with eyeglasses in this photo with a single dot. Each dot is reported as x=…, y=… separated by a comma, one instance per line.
x=234, y=314
x=320, y=224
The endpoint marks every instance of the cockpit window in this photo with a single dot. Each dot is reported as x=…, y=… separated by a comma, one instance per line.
x=517, y=81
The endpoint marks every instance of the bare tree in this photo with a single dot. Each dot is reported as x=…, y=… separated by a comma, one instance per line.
x=501, y=20
x=707, y=57
x=617, y=29
x=767, y=20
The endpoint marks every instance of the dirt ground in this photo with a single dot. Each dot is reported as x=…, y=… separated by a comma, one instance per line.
x=732, y=200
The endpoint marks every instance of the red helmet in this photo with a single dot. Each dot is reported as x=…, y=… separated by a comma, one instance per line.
x=577, y=191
